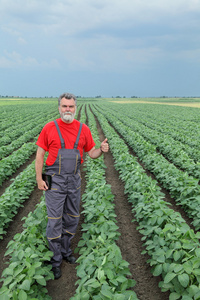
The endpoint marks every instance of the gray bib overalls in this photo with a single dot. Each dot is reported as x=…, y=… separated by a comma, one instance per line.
x=63, y=199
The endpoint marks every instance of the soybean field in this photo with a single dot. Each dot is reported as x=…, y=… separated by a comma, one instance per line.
x=138, y=235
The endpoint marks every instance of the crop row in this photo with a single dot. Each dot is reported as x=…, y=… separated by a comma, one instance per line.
x=11, y=133
x=30, y=134
x=29, y=268
x=16, y=116
x=181, y=123
x=10, y=164
x=101, y=269
x=173, y=247
x=183, y=188
x=12, y=116
x=184, y=139
x=173, y=150
x=15, y=195
x=25, y=134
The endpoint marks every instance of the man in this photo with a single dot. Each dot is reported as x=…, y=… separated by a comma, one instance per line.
x=64, y=139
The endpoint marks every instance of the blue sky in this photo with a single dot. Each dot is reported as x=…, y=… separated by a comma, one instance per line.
x=144, y=48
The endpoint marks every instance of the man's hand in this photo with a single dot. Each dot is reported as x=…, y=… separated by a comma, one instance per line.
x=104, y=146
x=95, y=153
x=42, y=185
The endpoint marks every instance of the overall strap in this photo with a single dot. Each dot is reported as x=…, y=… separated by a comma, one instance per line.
x=78, y=136
x=61, y=138
x=60, y=135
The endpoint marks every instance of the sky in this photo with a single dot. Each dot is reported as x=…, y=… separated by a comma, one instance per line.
x=107, y=48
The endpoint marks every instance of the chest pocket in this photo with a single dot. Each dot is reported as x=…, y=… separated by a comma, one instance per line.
x=69, y=161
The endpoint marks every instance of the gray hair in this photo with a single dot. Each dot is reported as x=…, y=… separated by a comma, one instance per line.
x=67, y=96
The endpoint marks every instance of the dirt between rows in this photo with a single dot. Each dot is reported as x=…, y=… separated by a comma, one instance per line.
x=129, y=242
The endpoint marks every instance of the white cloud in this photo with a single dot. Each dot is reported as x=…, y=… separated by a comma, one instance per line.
x=104, y=36
x=22, y=41
x=16, y=60
x=104, y=53
x=14, y=33
x=191, y=56
x=72, y=17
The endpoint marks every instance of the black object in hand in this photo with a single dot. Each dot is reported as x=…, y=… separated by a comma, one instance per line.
x=47, y=179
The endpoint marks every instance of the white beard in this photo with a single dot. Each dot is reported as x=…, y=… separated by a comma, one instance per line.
x=68, y=117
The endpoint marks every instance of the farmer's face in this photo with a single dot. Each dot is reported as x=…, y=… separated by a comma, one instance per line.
x=67, y=110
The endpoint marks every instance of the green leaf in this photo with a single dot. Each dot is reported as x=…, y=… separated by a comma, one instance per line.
x=158, y=270
x=9, y=251
x=104, y=260
x=121, y=278
x=169, y=253
x=196, y=272
x=21, y=254
x=18, y=271
x=197, y=252
x=117, y=258
x=187, y=266
x=100, y=274
x=41, y=281
x=37, y=264
x=90, y=281
x=25, y=285
x=95, y=284
x=22, y=295
x=193, y=289
x=169, y=227
x=178, y=268
x=178, y=245
x=186, y=297
x=114, y=282
x=184, y=279
x=81, y=271
x=7, y=271
x=37, y=276
x=176, y=255
x=174, y=296
x=5, y=297
x=109, y=273
x=13, y=265
x=106, y=293
x=31, y=271
x=161, y=259
x=81, y=243
x=169, y=277
x=34, y=255
x=13, y=284
x=8, y=280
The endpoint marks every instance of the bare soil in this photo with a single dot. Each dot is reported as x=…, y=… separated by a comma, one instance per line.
x=129, y=242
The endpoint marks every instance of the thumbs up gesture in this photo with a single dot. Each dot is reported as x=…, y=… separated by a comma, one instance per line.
x=104, y=146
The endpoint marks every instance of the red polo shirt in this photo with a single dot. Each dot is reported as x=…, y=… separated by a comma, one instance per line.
x=49, y=139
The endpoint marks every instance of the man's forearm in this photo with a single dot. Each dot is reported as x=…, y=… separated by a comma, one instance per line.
x=39, y=162
x=38, y=169
x=95, y=153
